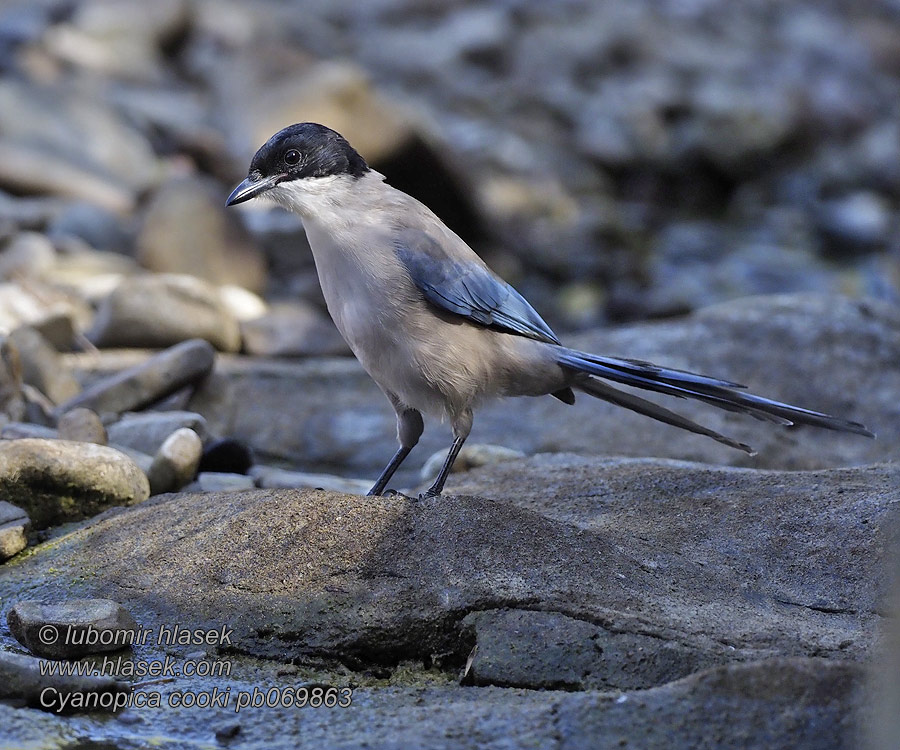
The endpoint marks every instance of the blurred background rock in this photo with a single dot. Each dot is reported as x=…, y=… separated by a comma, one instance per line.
x=614, y=160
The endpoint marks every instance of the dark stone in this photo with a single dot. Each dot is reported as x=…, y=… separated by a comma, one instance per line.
x=227, y=455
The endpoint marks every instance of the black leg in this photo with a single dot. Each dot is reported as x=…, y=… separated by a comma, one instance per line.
x=438, y=485
x=393, y=465
x=409, y=430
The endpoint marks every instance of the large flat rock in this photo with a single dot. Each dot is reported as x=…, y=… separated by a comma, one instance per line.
x=722, y=564
x=821, y=352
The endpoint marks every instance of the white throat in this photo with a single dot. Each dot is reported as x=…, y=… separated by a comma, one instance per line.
x=326, y=197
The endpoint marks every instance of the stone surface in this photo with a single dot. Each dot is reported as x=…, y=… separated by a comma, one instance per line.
x=83, y=425
x=163, y=310
x=14, y=525
x=732, y=564
x=147, y=431
x=149, y=380
x=791, y=703
x=73, y=628
x=781, y=703
x=292, y=330
x=176, y=462
x=43, y=367
x=822, y=352
x=187, y=230
x=549, y=651
x=59, y=480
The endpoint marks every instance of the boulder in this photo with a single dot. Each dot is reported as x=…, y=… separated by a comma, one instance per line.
x=163, y=310
x=188, y=230
x=59, y=480
x=147, y=431
x=717, y=564
x=150, y=379
x=73, y=628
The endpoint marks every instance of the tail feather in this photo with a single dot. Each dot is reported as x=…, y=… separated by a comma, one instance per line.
x=606, y=392
x=682, y=384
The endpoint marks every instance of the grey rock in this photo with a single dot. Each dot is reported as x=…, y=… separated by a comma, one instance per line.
x=29, y=213
x=146, y=431
x=220, y=481
x=15, y=430
x=12, y=403
x=292, y=330
x=270, y=477
x=55, y=314
x=30, y=169
x=470, y=457
x=63, y=122
x=81, y=424
x=855, y=224
x=162, y=310
x=27, y=254
x=59, y=480
x=188, y=230
x=99, y=228
x=141, y=459
x=125, y=39
x=788, y=702
x=822, y=352
x=14, y=525
x=710, y=558
x=175, y=463
x=147, y=382
x=42, y=366
x=73, y=628
x=23, y=678
x=549, y=651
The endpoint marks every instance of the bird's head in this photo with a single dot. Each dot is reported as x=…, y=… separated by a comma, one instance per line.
x=301, y=159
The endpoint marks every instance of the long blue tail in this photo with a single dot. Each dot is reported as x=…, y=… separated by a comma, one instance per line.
x=720, y=393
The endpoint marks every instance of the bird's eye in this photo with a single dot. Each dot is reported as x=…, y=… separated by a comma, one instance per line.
x=292, y=157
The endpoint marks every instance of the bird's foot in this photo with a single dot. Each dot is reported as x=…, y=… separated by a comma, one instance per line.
x=428, y=495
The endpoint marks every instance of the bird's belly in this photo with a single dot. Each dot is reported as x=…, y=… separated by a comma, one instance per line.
x=394, y=360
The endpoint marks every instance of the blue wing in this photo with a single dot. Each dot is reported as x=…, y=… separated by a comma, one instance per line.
x=467, y=288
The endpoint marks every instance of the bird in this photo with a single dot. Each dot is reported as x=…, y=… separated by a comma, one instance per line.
x=434, y=326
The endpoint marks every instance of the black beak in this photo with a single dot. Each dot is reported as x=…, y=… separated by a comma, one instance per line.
x=251, y=188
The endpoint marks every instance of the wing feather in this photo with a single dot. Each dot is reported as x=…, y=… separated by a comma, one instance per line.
x=467, y=287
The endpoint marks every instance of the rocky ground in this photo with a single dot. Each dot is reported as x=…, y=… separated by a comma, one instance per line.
x=548, y=598
x=184, y=441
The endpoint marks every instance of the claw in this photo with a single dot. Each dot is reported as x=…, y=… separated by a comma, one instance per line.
x=428, y=495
